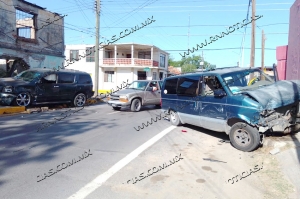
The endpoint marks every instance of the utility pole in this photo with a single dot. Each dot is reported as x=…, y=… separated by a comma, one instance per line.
x=97, y=47
x=189, y=33
x=252, y=57
x=263, y=52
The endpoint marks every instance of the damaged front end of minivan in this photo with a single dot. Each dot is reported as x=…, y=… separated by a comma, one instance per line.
x=279, y=110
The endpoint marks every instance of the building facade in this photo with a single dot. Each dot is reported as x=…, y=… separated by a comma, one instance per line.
x=120, y=62
x=30, y=37
x=293, y=50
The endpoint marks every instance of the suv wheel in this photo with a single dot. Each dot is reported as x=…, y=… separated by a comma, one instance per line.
x=244, y=137
x=174, y=118
x=23, y=99
x=136, y=105
x=79, y=100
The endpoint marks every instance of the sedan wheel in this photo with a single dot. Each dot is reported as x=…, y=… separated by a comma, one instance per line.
x=23, y=99
x=79, y=100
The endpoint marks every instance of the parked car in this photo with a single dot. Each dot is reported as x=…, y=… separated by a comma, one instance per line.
x=139, y=93
x=245, y=103
x=46, y=86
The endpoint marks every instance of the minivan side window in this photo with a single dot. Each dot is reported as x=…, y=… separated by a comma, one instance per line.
x=188, y=86
x=65, y=78
x=84, y=79
x=170, y=86
x=211, y=83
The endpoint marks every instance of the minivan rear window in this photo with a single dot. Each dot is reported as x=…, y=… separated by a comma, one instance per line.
x=170, y=86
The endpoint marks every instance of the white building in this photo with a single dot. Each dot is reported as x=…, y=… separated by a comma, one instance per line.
x=119, y=62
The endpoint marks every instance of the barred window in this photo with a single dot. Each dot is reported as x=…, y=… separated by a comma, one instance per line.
x=74, y=55
x=90, y=54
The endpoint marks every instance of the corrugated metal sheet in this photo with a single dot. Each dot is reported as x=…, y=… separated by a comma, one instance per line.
x=281, y=69
x=293, y=58
x=281, y=53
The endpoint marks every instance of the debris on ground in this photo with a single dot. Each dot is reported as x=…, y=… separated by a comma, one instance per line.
x=275, y=151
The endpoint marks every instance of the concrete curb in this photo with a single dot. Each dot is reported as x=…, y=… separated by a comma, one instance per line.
x=11, y=109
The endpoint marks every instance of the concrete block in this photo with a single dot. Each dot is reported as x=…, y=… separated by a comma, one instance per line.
x=274, y=151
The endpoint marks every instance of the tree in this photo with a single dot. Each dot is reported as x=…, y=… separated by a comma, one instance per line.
x=186, y=68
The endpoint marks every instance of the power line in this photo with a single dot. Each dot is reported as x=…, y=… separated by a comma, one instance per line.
x=225, y=49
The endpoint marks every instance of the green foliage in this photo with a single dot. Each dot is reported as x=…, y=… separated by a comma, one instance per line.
x=189, y=64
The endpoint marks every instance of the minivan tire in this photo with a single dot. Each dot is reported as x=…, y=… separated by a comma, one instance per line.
x=244, y=137
x=136, y=105
x=174, y=118
x=79, y=100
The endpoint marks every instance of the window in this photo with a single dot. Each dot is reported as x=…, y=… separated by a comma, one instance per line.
x=108, y=54
x=49, y=79
x=64, y=78
x=188, y=86
x=84, y=79
x=109, y=76
x=144, y=55
x=74, y=55
x=142, y=75
x=25, y=24
x=170, y=86
x=90, y=54
x=154, y=76
x=211, y=83
x=162, y=61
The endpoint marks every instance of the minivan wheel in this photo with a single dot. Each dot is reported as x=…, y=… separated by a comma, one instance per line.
x=23, y=99
x=79, y=100
x=244, y=137
x=174, y=118
x=136, y=105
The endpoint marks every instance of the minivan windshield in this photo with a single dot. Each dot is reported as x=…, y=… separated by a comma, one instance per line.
x=138, y=85
x=250, y=79
x=28, y=75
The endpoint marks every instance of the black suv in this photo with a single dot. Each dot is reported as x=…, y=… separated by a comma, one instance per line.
x=46, y=86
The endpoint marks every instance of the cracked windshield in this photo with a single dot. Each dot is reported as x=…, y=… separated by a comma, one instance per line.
x=149, y=99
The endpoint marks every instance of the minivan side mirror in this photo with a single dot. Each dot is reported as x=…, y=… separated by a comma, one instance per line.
x=219, y=93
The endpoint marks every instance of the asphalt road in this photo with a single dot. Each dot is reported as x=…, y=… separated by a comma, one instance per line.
x=26, y=153
x=97, y=153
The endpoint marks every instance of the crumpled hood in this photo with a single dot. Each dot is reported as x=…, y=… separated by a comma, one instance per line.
x=127, y=91
x=279, y=94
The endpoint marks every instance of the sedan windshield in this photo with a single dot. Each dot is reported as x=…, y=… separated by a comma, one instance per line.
x=246, y=80
x=28, y=75
x=138, y=85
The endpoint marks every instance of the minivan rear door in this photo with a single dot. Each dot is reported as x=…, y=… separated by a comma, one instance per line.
x=188, y=104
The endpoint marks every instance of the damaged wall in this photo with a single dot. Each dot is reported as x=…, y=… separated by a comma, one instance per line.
x=39, y=40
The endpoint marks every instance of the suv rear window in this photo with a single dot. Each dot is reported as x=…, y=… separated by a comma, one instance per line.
x=84, y=79
x=171, y=85
x=66, y=78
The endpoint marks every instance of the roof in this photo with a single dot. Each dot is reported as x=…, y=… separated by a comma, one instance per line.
x=218, y=71
x=26, y=2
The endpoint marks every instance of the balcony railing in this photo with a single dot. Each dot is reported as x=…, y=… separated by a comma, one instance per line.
x=127, y=61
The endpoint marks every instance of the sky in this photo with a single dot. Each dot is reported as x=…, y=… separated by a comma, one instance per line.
x=180, y=25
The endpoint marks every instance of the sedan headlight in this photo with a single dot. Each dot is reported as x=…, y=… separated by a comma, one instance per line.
x=123, y=98
x=7, y=89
